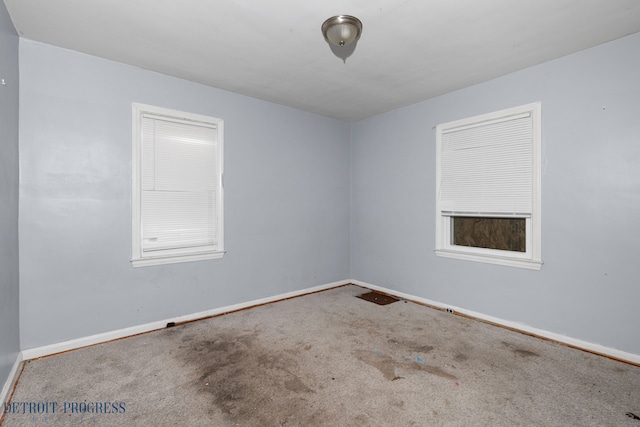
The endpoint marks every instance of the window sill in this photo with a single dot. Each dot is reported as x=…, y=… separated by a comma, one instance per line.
x=173, y=259
x=490, y=259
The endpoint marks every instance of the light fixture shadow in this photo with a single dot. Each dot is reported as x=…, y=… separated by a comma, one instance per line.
x=343, y=52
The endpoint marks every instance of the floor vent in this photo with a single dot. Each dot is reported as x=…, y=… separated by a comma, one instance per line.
x=378, y=298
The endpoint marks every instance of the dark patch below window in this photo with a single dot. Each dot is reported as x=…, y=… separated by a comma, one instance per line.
x=507, y=234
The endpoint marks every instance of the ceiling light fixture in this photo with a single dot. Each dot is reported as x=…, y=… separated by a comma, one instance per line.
x=341, y=30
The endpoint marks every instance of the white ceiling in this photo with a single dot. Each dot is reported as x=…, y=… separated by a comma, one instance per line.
x=273, y=50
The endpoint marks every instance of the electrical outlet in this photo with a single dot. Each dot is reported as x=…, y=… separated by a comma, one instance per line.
x=450, y=310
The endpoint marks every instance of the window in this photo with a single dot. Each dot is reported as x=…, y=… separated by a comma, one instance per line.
x=177, y=213
x=488, y=188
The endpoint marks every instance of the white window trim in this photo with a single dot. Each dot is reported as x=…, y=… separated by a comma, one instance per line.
x=531, y=259
x=138, y=258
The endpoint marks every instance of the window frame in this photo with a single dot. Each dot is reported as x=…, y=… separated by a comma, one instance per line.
x=531, y=258
x=140, y=258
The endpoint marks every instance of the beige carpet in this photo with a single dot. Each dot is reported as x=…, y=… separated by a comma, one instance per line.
x=328, y=359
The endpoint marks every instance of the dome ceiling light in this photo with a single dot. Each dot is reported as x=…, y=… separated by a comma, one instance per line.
x=341, y=30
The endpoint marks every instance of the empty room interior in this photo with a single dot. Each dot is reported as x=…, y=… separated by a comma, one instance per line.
x=195, y=196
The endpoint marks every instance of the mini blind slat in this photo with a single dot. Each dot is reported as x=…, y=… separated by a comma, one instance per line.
x=178, y=184
x=488, y=168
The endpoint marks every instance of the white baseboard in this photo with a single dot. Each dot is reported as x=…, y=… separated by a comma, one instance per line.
x=11, y=380
x=48, y=350
x=572, y=342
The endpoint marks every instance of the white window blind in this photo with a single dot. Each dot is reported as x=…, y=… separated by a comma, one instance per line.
x=486, y=168
x=178, y=184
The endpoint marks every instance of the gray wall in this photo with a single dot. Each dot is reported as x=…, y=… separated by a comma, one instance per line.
x=286, y=199
x=588, y=287
x=9, y=291
x=289, y=223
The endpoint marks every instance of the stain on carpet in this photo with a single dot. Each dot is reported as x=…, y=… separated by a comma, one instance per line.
x=435, y=370
x=460, y=357
x=382, y=363
x=410, y=345
x=388, y=365
x=520, y=351
x=297, y=386
x=245, y=377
